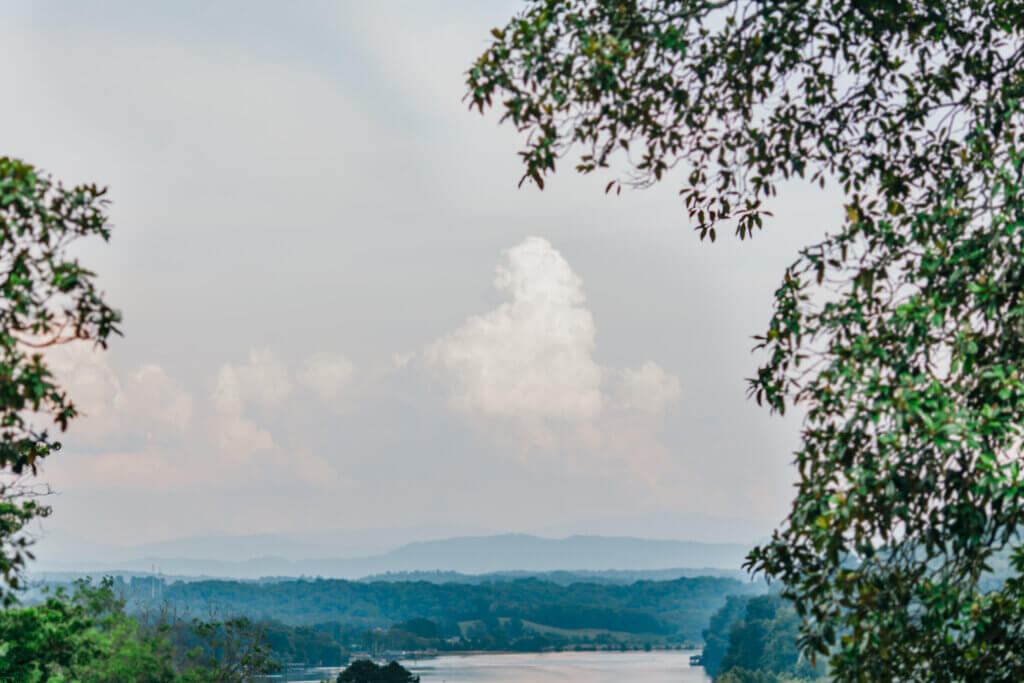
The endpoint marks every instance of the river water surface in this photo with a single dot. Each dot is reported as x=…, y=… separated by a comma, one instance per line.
x=585, y=667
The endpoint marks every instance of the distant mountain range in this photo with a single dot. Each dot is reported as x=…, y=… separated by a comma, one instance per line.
x=466, y=555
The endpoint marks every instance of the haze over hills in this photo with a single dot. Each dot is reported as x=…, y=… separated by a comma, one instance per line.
x=467, y=555
x=562, y=577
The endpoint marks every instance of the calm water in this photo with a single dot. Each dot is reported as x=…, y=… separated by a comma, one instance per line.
x=586, y=667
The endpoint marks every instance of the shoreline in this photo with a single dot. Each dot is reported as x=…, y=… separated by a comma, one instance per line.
x=470, y=653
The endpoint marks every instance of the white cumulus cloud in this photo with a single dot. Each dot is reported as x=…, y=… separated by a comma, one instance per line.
x=142, y=430
x=532, y=357
x=648, y=389
x=529, y=363
x=263, y=380
x=145, y=405
x=327, y=375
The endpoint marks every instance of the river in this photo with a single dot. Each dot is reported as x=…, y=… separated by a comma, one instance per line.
x=586, y=667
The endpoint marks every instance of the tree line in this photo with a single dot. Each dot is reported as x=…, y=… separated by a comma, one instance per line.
x=678, y=609
x=91, y=632
x=87, y=634
x=753, y=639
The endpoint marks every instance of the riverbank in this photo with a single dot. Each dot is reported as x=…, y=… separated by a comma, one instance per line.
x=666, y=666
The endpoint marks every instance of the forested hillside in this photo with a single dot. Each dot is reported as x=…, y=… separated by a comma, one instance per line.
x=754, y=638
x=679, y=608
x=562, y=577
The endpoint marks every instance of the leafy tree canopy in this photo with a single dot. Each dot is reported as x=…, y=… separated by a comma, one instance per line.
x=679, y=608
x=233, y=649
x=365, y=671
x=86, y=636
x=901, y=334
x=716, y=635
x=424, y=628
x=47, y=298
x=764, y=640
x=741, y=675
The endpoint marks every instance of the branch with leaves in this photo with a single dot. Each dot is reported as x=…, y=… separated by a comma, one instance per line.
x=47, y=298
x=901, y=334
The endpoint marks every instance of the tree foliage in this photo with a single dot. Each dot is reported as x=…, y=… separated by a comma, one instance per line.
x=900, y=334
x=764, y=640
x=365, y=671
x=741, y=675
x=289, y=644
x=47, y=298
x=716, y=635
x=231, y=649
x=679, y=609
x=85, y=636
x=18, y=507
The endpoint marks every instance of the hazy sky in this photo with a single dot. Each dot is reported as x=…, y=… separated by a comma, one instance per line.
x=342, y=314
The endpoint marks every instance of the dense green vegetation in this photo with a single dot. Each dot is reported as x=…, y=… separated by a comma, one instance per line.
x=88, y=635
x=365, y=671
x=85, y=636
x=716, y=635
x=562, y=577
x=900, y=334
x=124, y=628
x=489, y=633
x=291, y=644
x=48, y=298
x=754, y=638
x=675, y=609
x=741, y=675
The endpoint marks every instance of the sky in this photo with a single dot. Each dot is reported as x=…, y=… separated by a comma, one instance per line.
x=342, y=316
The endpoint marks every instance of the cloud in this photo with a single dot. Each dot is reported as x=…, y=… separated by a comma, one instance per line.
x=141, y=429
x=327, y=375
x=263, y=381
x=156, y=401
x=144, y=406
x=401, y=360
x=315, y=471
x=648, y=389
x=529, y=364
x=532, y=357
x=242, y=440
